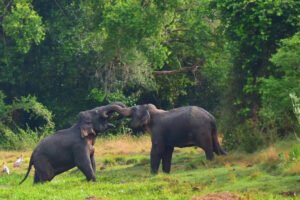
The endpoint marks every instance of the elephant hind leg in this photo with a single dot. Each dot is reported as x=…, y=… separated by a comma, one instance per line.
x=205, y=141
x=209, y=154
x=36, y=177
x=43, y=171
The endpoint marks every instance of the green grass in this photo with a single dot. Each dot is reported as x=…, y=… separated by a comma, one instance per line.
x=263, y=175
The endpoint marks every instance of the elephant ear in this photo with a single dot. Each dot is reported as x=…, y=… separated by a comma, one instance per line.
x=86, y=125
x=145, y=118
x=86, y=130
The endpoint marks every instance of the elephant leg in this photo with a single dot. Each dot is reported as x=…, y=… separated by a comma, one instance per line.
x=83, y=162
x=166, y=159
x=156, y=156
x=36, y=178
x=43, y=171
x=205, y=141
x=93, y=163
x=209, y=152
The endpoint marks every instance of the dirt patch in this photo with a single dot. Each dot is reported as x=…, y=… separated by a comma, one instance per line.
x=92, y=198
x=219, y=196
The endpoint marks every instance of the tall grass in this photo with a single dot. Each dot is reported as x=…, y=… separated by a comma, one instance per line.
x=123, y=173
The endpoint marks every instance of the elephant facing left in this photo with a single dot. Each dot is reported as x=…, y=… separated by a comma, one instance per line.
x=71, y=147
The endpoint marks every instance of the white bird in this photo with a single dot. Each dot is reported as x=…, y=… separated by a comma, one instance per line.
x=5, y=169
x=19, y=161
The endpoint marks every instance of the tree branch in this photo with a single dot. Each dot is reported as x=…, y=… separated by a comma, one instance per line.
x=180, y=70
x=5, y=9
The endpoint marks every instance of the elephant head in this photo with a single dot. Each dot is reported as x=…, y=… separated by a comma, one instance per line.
x=96, y=120
x=140, y=115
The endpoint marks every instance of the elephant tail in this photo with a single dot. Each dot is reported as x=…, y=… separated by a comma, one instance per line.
x=216, y=145
x=28, y=170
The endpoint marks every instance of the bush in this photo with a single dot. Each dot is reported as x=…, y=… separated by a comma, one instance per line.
x=275, y=90
x=296, y=105
x=23, y=123
x=246, y=137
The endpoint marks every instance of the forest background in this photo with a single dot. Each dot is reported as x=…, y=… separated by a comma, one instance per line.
x=240, y=60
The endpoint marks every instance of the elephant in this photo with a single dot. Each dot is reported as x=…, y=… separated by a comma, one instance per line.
x=179, y=127
x=71, y=147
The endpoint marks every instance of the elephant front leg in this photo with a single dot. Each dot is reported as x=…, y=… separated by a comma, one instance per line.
x=83, y=162
x=156, y=156
x=166, y=159
x=93, y=163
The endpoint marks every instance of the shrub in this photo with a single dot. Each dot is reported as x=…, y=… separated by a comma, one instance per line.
x=296, y=105
x=275, y=90
x=246, y=137
x=23, y=122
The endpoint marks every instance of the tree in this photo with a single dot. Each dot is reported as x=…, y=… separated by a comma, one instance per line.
x=20, y=28
x=276, y=90
x=254, y=29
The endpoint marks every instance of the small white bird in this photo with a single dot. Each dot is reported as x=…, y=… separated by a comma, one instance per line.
x=19, y=161
x=5, y=169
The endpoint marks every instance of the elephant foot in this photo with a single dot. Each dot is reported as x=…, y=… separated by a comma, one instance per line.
x=154, y=172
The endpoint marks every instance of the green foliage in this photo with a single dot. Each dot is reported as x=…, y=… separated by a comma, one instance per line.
x=294, y=154
x=75, y=55
x=3, y=107
x=254, y=29
x=17, y=134
x=275, y=90
x=19, y=139
x=102, y=97
x=296, y=105
x=23, y=25
x=170, y=89
x=246, y=137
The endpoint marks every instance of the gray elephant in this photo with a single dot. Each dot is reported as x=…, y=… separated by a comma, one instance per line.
x=179, y=127
x=71, y=147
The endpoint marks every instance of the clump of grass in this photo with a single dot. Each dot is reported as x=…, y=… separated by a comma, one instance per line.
x=256, y=174
x=109, y=162
x=120, y=160
x=294, y=169
x=294, y=154
x=131, y=161
x=232, y=178
x=267, y=155
x=190, y=166
x=144, y=161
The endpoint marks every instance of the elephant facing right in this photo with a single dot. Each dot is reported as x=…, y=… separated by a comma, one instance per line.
x=179, y=127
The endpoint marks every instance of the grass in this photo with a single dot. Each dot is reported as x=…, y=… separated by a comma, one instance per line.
x=123, y=173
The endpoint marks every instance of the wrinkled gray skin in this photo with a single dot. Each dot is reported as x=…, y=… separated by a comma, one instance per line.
x=71, y=147
x=180, y=127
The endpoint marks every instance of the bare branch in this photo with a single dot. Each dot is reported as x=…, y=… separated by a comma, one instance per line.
x=180, y=70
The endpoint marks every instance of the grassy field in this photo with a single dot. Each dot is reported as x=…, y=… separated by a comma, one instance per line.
x=123, y=173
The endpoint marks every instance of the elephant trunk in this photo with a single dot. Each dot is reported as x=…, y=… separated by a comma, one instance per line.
x=115, y=107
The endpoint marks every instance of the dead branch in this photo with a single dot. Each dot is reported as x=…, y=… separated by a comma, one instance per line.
x=180, y=70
